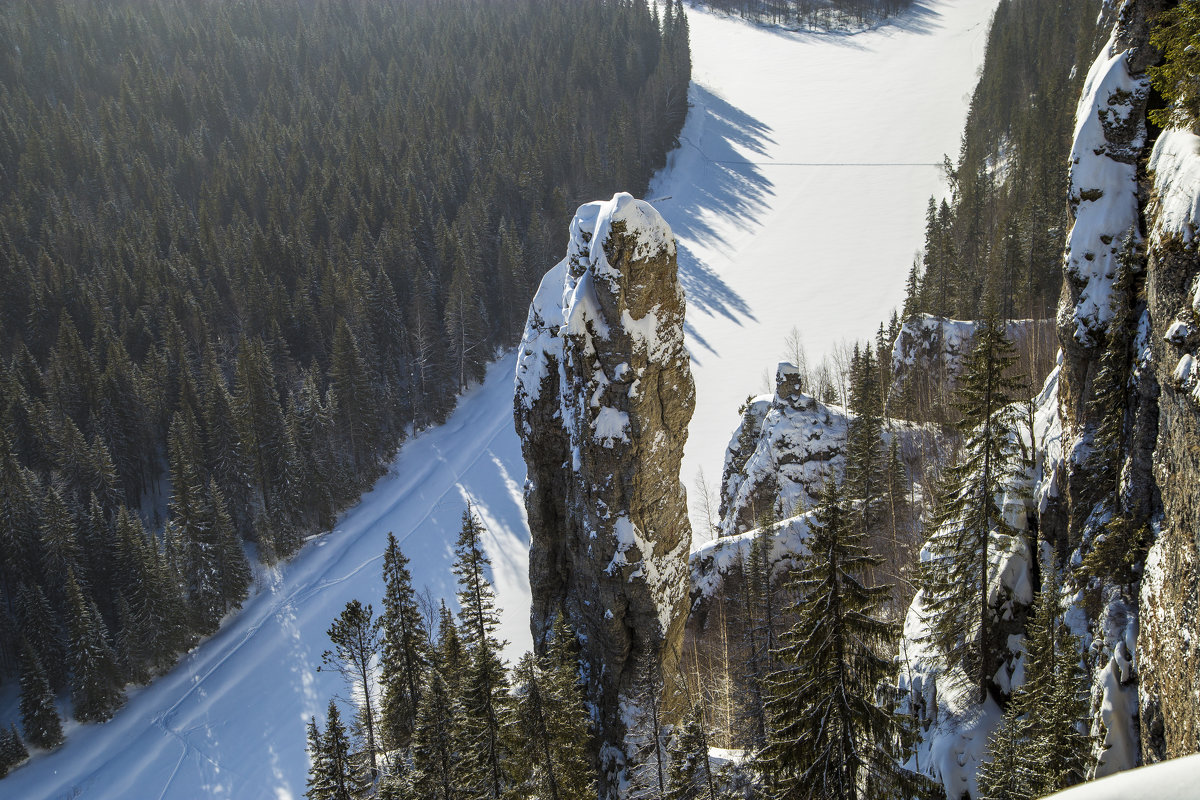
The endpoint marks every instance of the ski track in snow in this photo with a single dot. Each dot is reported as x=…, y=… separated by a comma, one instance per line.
x=797, y=197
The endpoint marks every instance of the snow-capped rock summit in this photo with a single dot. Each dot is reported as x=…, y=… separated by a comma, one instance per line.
x=604, y=395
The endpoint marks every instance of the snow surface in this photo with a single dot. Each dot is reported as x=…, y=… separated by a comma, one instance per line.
x=1103, y=187
x=797, y=198
x=1175, y=162
x=798, y=195
x=1169, y=780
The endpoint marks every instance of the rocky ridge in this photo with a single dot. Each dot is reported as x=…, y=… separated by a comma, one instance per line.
x=603, y=398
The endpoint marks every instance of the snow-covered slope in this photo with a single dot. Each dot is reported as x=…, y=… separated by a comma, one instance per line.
x=228, y=722
x=798, y=198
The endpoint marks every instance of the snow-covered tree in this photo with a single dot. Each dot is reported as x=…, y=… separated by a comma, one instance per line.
x=96, y=681
x=690, y=776
x=551, y=724
x=12, y=750
x=335, y=773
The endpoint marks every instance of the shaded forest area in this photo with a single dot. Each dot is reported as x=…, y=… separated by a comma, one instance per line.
x=245, y=249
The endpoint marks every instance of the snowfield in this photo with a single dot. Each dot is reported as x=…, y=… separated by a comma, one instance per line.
x=797, y=198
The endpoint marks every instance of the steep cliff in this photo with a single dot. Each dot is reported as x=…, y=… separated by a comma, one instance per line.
x=603, y=398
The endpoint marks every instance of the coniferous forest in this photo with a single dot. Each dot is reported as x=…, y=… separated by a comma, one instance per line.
x=247, y=248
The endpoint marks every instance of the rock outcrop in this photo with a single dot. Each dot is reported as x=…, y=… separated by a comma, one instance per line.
x=604, y=395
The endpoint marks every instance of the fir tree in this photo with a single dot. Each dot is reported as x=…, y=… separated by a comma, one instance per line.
x=968, y=514
x=828, y=738
x=39, y=717
x=436, y=752
x=96, y=683
x=552, y=724
x=335, y=773
x=484, y=687
x=1008, y=775
x=404, y=648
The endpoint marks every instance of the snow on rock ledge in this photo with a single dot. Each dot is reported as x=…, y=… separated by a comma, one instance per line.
x=1109, y=134
x=602, y=402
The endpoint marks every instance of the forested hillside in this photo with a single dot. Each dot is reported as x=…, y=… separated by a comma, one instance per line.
x=248, y=247
x=1001, y=230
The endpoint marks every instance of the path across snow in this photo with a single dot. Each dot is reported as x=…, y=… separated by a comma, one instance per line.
x=797, y=197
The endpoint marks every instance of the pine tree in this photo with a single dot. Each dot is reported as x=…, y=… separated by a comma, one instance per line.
x=96, y=682
x=828, y=738
x=404, y=648
x=355, y=635
x=645, y=745
x=865, y=460
x=968, y=515
x=1040, y=747
x=39, y=717
x=1008, y=775
x=484, y=688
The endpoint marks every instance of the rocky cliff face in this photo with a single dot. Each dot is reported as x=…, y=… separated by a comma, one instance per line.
x=604, y=395
x=1170, y=598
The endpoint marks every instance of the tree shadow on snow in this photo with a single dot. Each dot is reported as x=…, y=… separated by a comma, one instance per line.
x=708, y=182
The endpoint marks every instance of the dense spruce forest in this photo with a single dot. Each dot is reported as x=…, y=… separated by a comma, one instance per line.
x=1001, y=231
x=245, y=249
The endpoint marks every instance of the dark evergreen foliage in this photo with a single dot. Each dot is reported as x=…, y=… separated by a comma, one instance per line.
x=828, y=737
x=39, y=717
x=483, y=687
x=1041, y=746
x=12, y=750
x=245, y=247
x=968, y=517
x=834, y=14
x=404, y=656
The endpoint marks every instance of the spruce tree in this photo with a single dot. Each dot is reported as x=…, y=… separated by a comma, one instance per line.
x=968, y=514
x=484, y=686
x=39, y=717
x=828, y=738
x=865, y=460
x=96, y=681
x=436, y=750
x=552, y=723
x=404, y=648
x=336, y=773
x=1008, y=775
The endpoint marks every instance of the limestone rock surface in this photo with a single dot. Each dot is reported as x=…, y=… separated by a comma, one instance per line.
x=604, y=394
